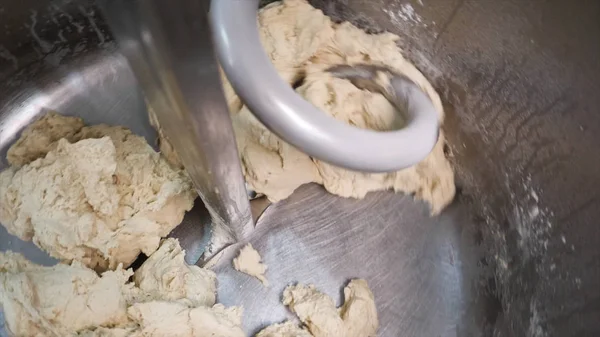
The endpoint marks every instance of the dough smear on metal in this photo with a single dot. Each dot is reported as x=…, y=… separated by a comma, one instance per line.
x=249, y=262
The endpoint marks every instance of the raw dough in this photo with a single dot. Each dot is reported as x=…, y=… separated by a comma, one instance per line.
x=60, y=300
x=100, y=200
x=42, y=136
x=301, y=42
x=356, y=318
x=314, y=309
x=165, y=275
x=175, y=319
x=67, y=300
x=287, y=329
x=359, y=312
x=249, y=262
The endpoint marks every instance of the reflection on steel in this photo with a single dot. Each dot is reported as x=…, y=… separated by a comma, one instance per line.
x=168, y=47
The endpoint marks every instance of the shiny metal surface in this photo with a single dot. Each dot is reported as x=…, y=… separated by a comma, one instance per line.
x=168, y=47
x=419, y=268
x=517, y=254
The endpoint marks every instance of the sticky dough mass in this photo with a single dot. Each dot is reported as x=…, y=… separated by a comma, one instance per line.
x=99, y=195
x=72, y=300
x=166, y=297
x=250, y=262
x=302, y=42
x=356, y=318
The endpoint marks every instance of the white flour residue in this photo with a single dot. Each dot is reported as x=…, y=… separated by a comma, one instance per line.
x=58, y=11
x=407, y=14
x=55, y=58
x=92, y=21
x=44, y=45
x=532, y=221
x=535, y=326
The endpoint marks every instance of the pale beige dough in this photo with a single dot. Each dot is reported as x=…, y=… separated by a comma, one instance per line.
x=314, y=309
x=72, y=300
x=287, y=329
x=60, y=300
x=165, y=275
x=42, y=136
x=100, y=197
x=175, y=319
x=356, y=318
x=302, y=42
x=249, y=262
x=359, y=312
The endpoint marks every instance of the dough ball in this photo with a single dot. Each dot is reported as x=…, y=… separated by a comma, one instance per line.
x=101, y=200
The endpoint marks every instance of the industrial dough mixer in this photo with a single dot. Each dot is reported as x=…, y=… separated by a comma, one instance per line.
x=516, y=254
x=176, y=72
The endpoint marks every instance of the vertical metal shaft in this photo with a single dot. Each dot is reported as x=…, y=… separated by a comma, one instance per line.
x=168, y=46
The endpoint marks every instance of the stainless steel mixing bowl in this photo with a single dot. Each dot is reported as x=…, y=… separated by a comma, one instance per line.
x=517, y=253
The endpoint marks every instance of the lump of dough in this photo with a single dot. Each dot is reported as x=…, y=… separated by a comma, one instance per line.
x=60, y=300
x=287, y=329
x=249, y=262
x=270, y=165
x=359, y=312
x=292, y=32
x=315, y=309
x=157, y=319
x=302, y=43
x=166, y=276
x=274, y=168
x=41, y=136
x=109, y=332
x=72, y=300
x=100, y=200
x=356, y=318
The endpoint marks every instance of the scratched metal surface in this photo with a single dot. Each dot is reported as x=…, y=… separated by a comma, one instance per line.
x=517, y=254
x=421, y=269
